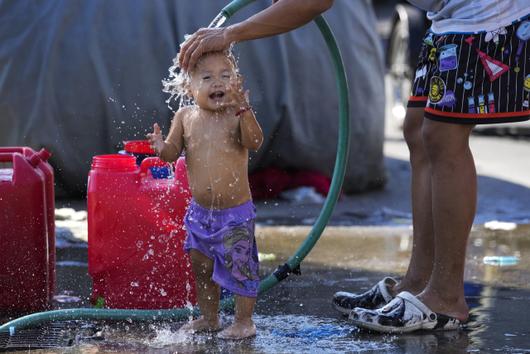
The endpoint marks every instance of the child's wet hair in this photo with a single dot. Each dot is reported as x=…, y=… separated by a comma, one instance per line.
x=177, y=85
x=226, y=53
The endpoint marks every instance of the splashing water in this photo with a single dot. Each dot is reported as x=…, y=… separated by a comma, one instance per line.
x=218, y=21
x=175, y=86
x=177, y=80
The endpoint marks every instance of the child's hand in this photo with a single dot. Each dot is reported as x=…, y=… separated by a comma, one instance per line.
x=240, y=99
x=155, y=139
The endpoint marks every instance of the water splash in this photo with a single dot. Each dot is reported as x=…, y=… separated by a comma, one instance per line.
x=276, y=334
x=218, y=21
x=175, y=84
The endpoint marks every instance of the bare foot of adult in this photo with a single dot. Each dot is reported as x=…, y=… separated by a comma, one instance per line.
x=201, y=325
x=238, y=330
x=455, y=307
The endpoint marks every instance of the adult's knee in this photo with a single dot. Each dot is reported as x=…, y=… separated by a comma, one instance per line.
x=444, y=141
x=412, y=130
x=433, y=141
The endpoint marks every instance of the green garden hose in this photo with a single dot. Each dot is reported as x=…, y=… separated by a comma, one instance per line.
x=292, y=264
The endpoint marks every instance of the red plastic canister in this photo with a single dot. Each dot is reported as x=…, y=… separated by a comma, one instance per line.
x=27, y=237
x=138, y=148
x=40, y=160
x=136, y=234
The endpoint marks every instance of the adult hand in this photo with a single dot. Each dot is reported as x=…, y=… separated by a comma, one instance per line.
x=202, y=41
x=155, y=139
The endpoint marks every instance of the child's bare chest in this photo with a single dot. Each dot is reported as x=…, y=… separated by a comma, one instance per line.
x=200, y=133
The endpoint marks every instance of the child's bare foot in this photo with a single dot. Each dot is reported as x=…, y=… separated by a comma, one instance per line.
x=201, y=325
x=238, y=330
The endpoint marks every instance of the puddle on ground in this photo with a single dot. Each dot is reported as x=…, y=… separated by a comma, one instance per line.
x=277, y=334
x=296, y=316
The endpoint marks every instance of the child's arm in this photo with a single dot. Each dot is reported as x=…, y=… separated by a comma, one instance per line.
x=251, y=133
x=170, y=149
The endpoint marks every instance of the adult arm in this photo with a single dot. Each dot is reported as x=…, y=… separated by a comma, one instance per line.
x=282, y=16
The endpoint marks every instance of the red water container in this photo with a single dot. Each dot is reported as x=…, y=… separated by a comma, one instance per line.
x=27, y=241
x=40, y=160
x=138, y=148
x=136, y=234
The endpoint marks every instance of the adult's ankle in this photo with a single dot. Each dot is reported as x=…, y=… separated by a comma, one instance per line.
x=406, y=284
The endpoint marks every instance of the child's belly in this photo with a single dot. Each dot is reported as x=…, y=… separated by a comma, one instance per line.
x=218, y=177
x=219, y=191
x=219, y=197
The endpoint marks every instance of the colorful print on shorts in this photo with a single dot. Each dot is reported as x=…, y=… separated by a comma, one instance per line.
x=475, y=78
x=240, y=260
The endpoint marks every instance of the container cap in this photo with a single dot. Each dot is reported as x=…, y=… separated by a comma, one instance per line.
x=138, y=147
x=160, y=172
x=114, y=162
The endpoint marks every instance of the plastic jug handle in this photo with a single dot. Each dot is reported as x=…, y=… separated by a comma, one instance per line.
x=6, y=156
x=151, y=162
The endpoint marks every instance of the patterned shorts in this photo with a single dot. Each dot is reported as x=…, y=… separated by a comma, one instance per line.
x=475, y=78
x=226, y=237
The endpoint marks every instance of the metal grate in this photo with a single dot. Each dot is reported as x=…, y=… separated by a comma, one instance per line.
x=56, y=335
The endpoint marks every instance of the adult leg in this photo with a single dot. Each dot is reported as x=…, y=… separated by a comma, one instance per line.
x=243, y=326
x=208, y=294
x=421, y=260
x=454, y=195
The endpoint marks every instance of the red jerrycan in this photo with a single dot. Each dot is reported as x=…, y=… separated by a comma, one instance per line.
x=136, y=233
x=27, y=237
x=40, y=160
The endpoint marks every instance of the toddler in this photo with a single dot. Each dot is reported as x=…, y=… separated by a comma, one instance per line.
x=216, y=132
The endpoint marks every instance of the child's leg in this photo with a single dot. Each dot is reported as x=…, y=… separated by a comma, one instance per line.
x=208, y=294
x=243, y=326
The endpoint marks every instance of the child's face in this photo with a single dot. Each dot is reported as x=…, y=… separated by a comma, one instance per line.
x=211, y=82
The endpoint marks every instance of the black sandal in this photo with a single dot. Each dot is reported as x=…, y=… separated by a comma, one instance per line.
x=376, y=297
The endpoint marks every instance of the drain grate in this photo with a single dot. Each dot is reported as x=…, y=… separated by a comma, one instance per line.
x=53, y=336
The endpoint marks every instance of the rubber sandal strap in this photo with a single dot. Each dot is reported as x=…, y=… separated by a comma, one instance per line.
x=413, y=300
x=383, y=288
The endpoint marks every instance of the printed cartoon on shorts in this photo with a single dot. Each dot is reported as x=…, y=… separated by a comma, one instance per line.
x=239, y=258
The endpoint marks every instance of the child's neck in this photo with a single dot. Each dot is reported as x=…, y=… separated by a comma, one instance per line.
x=219, y=113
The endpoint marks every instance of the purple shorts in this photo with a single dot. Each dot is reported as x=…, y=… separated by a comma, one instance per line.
x=227, y=237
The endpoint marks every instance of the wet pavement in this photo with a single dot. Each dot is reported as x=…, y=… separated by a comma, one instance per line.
x=296, y=316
